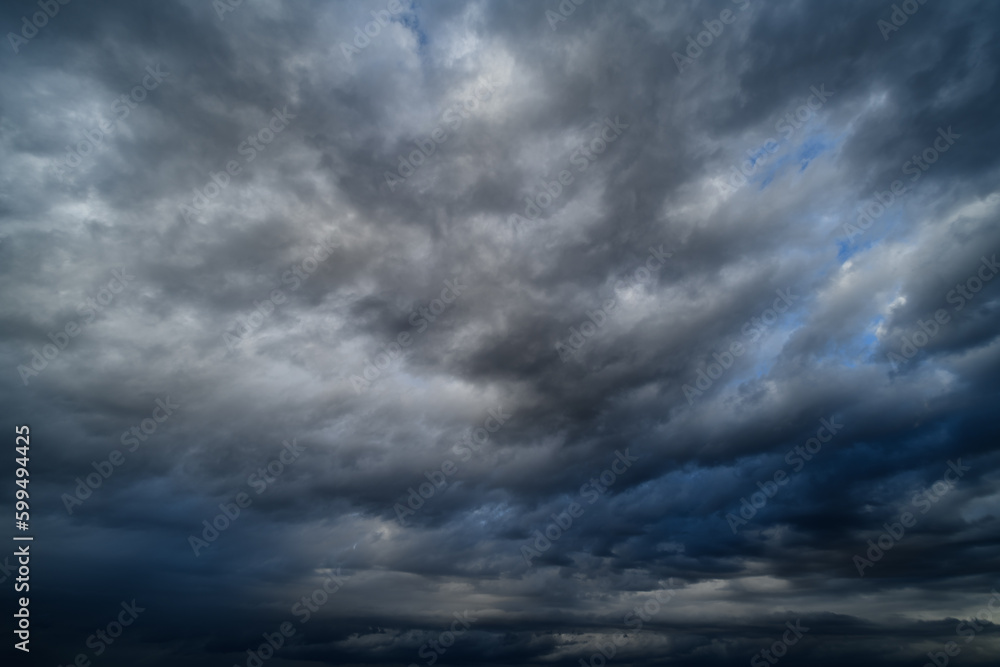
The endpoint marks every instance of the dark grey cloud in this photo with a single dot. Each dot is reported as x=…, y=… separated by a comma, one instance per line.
x=195, y=209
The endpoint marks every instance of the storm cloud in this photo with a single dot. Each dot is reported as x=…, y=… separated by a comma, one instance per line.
x=500, y=333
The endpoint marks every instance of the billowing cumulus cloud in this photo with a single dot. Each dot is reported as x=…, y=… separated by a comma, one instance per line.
x=498, y=333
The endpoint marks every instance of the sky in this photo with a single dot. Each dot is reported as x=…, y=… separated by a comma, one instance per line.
x=548, y=333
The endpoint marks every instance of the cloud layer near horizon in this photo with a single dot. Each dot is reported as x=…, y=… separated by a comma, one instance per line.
x=429, y=321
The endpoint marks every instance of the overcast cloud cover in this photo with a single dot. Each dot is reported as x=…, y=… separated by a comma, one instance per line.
x=445, y=352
